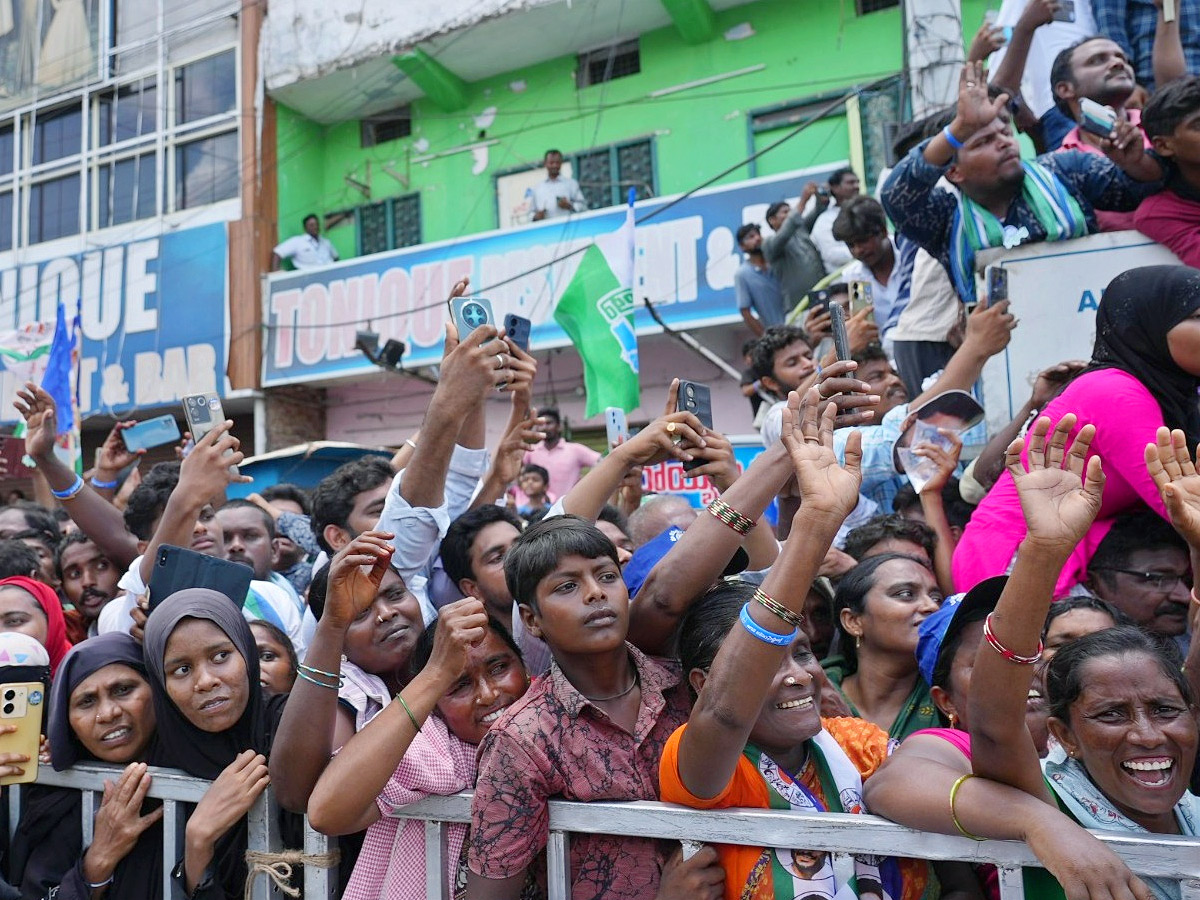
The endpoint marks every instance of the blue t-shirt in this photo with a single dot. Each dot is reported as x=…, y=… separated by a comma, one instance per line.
x=759, y=290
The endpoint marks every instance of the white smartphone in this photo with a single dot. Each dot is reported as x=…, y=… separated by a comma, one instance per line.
x=615, y=426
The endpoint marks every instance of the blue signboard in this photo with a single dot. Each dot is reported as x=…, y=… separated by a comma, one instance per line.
x=685, y=263
x=152, y=312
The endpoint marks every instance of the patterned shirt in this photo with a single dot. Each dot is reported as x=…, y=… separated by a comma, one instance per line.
x=1131, y=23
x=554, y=744
x=925, y=213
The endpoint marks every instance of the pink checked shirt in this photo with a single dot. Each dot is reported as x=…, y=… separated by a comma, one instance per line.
x=391, y=865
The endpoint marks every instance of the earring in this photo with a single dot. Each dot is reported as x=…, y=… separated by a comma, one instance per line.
x=953, y=720
x=857, y=641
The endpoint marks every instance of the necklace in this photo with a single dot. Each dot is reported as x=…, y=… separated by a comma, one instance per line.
x=632, y=684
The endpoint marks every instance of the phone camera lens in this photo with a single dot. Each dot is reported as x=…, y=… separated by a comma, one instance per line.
x=214, y=402
x=9, y=695
x=691, y=392
x=8, y=709
x=191, y=401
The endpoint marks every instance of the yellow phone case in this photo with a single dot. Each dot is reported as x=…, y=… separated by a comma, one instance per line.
x=22, y=705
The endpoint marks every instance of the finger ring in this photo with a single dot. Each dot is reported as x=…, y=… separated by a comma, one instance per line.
x=970, y=84
x=502, y=385
x=670, y=428
x=499, y=361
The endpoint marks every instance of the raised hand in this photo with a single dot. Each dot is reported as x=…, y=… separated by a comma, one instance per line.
x=1175, y=476
x=209, y=468
x=460, y=626
x=673, y=436
x=818, y=324
x=514, y=445
x=1050, y=381
x=1061, y=491
x=837, y=384
x=861, y=330
x=475, y=365
x=1037, y=13
x=355, y=575
x=975, y=109
x=119, y=822
x=229, y=797
x=947, y=460
x=114, y=455
x=988, y=39
x=826, y=486
x=41, y=420
x=720, y=466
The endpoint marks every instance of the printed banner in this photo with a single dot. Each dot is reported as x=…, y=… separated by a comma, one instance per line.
x=686, y=258
x=152, y=312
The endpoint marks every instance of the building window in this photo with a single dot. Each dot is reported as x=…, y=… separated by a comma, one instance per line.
x=389, y=224
x=206, y=88
x=6, y=220
x=57, y=134
x=607, y=63
x=870, y=6
x=206, y=170
x=389, y=126
x=126, y=190
x=127, y=112
x=54, y=208
x=7, y=147
x=606, y=174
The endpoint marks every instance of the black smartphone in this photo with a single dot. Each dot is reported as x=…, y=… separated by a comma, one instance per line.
x=176, y=568
x=841, y=341
x=997, y=284
x=820, y=299
x=517, y=328
x=697, y=399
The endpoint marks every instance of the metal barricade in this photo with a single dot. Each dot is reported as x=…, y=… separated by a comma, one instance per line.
x=173, y=788
x=1158, y=856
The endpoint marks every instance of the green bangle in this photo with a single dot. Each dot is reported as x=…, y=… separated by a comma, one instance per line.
x=416, y=726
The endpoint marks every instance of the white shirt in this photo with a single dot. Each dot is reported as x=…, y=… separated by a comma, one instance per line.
x=933, y=304
x=1047, y=42
x=546, y=194
x=834, y=253
x=306, y=251
x=114, y=616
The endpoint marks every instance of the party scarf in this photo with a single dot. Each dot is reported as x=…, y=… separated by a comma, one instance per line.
x=813, y=874
x=1090, y=808
x=975, y=228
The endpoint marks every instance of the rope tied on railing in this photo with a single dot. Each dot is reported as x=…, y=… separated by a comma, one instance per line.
x=279, y=867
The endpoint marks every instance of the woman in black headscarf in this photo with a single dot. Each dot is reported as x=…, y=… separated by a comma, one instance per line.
x=1144, y=373
x=100, y=711
x=212, y=723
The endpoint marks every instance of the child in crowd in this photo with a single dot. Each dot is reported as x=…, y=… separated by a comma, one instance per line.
x=534, y=482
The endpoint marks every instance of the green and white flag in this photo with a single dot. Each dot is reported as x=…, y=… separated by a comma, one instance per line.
x=596, y=312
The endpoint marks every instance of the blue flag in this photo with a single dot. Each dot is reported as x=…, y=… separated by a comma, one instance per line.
x=57, y=379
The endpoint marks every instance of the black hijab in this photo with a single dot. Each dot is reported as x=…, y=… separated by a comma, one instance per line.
x=83, y=660
x=181, y=744
x=1138, y=309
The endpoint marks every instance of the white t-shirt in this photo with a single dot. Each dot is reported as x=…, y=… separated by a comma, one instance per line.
x=1047, y=42
x=547, y=192
x=834, y=253
x=306, y=251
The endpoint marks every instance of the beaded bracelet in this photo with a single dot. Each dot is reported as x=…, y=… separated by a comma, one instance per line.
x=767, y=637
x=415, y=724
x=104, y=485
x=71, y=492
x=778, y=609
x=954, y=816
x=951, y=139
x=1012, y=657
x=726, y=514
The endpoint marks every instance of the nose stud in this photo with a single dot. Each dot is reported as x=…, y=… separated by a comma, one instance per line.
x=379, y=619
x=790, y=681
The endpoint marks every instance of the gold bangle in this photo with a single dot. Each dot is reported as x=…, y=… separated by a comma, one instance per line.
x=954, y=816
x=777, y=609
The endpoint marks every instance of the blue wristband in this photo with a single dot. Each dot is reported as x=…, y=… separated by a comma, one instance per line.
x=71, y=491
x=767, y=637
x=951, y=139
x=105, y=485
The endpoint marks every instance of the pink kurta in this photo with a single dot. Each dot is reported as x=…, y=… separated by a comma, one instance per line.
x=1126, y=417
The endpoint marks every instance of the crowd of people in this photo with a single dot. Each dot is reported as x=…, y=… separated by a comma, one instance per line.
x=1002, y=649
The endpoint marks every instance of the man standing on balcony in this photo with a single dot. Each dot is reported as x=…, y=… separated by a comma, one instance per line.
x=305, y=250
x=559, y=195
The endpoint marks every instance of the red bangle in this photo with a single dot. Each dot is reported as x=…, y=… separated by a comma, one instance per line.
x=1012, y=657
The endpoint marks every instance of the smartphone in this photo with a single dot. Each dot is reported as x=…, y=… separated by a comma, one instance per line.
x=841, y=341
x=861, y=297
x=1066, y=11
x=1168, y=10
x=997, y=284
x=615, y=426
x=1096, y=117
x=22, y=704
x=823, y=191
x=203, y=413
x=176, y=568
x=151, y=433
x=471, y=312
x=517, y=328
x=820, y=299
x=697, y=399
